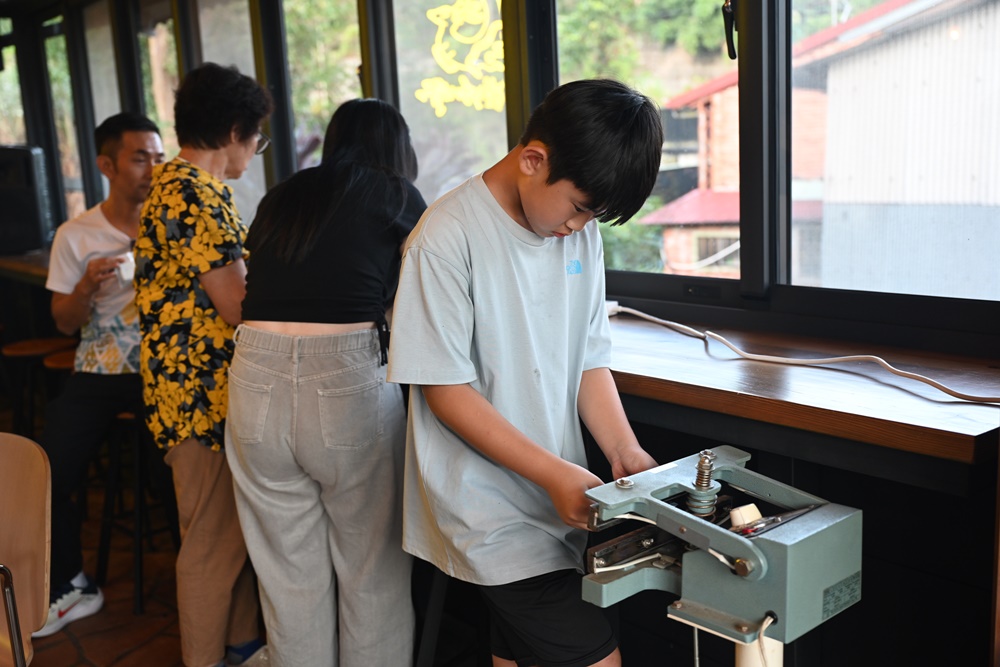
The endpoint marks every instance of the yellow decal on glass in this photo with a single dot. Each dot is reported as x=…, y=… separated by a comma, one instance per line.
x=468, y=46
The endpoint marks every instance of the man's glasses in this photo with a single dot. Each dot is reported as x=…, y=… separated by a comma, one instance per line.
x=263, y=141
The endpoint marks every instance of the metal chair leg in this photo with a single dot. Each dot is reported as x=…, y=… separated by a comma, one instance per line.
x=13, y=623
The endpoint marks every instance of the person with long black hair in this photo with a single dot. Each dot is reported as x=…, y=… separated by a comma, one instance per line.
x=315, y=436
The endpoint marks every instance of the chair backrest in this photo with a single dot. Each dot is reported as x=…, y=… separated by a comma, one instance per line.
x=25, y=515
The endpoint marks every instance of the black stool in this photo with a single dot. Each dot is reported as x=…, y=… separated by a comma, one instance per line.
x=23, y=358
x=61, y=364
x=433, y=586
x=125, y=436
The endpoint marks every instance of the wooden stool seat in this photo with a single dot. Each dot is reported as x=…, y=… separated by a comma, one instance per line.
x=37, y=347
x=63, y=360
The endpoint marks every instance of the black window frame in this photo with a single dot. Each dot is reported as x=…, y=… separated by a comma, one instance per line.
x=763, y=299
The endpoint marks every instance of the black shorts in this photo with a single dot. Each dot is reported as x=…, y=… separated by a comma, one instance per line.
x=544, y=621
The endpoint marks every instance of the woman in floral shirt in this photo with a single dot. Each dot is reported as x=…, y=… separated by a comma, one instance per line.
x=190, y=281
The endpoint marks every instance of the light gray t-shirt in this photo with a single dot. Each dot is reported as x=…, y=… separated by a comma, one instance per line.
x=109, y=339
x=484, y=301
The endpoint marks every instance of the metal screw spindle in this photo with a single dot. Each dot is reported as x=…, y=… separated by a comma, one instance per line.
x=703, y=480
x=701, y=500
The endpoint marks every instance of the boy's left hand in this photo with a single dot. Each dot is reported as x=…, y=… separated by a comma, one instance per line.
x=631, y=461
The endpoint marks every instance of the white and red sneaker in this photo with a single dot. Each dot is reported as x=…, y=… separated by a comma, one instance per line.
x=70, y=603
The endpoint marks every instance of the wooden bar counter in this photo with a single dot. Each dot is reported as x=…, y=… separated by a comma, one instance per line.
x=31, y=267
x=24, y=301
x=853, y=416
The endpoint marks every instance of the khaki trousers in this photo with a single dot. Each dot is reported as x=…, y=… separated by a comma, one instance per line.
x=217, y=601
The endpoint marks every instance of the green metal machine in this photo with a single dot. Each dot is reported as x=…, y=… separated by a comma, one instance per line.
x=791, y=561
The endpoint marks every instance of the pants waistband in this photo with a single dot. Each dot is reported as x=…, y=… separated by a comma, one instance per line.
x=363, y=339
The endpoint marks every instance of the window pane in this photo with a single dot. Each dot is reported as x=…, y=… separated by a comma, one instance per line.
x=673, y=51
x=101, y=65
x=324, y=53
x=451, y=86
x=158, y=56
x=101, y=60
x=226, y=39
x=62, y=109
x=895, y=147
x=11, y=110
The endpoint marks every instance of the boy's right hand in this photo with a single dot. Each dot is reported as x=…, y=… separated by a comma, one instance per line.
x=567, y=491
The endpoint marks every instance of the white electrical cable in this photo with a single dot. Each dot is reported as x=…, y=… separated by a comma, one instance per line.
x=635, y=517
x=768, y=619
x=722, y=559
x=686, y=330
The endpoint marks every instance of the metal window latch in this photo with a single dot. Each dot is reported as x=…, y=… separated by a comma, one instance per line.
x=729, y=21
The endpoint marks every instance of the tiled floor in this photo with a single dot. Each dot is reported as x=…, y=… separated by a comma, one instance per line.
x=115, y=637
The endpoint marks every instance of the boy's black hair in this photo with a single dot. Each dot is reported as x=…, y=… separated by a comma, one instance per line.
x=362, y=180
x=212, y=100
x=108, y=135
x=603, y=137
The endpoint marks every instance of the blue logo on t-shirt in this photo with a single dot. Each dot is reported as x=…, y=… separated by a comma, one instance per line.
x=573, y=267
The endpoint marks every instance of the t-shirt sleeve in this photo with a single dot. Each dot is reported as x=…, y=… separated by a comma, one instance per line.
x=64, y=268
x=432, y=323
x=598, y=353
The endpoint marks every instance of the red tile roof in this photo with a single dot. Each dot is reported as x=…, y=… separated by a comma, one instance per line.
x=706, y=207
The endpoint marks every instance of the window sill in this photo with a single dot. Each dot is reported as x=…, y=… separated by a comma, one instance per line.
x=858, y=401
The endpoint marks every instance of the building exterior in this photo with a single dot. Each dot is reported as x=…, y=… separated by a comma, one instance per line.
x=893, y=131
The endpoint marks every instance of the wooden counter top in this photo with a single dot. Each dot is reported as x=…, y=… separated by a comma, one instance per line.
x=31, y=267
x=858, y=401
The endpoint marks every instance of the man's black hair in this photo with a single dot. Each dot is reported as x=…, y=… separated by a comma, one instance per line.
x=603, y=137
x=212, y=100
x=108, y=135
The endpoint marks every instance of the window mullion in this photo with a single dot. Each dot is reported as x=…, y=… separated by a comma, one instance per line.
x=758, y=184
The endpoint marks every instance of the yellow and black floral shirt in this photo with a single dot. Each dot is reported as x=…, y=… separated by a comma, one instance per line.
x=189, y=226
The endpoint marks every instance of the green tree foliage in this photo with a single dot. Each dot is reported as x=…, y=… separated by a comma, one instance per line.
x=633, y=246
x=11, y=112
x=323, y=41
x=695, y=26
x=605, y=36
x=811, y=16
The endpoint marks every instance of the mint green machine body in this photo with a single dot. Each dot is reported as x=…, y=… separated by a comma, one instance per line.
x=800, y=567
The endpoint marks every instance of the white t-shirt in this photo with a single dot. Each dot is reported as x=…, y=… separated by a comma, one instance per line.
x=109, y=340
x=484, y=301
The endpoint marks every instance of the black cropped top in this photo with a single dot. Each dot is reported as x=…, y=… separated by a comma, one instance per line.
x=349, y=276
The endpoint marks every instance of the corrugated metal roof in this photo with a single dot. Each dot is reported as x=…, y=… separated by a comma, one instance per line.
x=834, y=40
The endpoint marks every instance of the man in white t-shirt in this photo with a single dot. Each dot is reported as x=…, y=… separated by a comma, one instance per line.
x=90, y=277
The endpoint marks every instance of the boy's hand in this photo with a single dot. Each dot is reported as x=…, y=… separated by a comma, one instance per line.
x=631, y=461
x=567, y=493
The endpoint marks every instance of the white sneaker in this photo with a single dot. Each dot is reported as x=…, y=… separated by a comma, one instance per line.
x=69, y=604
x=260, y=658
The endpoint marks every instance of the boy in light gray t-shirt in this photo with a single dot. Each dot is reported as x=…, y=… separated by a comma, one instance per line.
x=500, y=328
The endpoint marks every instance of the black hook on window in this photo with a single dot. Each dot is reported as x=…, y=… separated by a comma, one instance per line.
x=728, y=7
